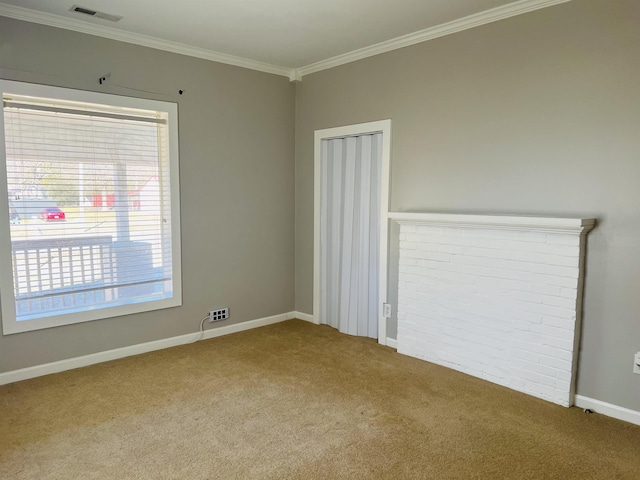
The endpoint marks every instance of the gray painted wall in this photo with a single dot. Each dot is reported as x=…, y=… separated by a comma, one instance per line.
x=237, y=182
x=536, y=114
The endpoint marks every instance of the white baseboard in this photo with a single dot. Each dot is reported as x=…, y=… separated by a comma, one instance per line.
x=92, y=359
x=303, y=316
x=389, y=342
x=608, y=409
x=241, y=327
x=598, y=406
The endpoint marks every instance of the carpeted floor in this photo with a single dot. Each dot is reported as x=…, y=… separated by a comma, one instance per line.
x=296, y=401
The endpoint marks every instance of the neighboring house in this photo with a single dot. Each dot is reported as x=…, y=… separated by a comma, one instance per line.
x=145, y=198
x=141, y=199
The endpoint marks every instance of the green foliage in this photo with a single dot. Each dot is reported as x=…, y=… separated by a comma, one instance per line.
x=58, y=188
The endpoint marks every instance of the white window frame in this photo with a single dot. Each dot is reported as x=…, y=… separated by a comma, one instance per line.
x=9, y=323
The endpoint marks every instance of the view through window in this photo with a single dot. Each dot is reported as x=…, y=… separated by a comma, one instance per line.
x=91, y=189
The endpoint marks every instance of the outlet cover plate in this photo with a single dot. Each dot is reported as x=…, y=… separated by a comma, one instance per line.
x=218, y=314
x=636, y=363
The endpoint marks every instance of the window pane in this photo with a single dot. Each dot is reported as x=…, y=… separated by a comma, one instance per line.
x=89, y=200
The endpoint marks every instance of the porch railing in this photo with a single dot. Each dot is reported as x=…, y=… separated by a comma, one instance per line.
x=61, y=274
x=51, y=274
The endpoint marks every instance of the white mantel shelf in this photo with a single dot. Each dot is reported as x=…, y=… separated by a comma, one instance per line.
x=511, y=222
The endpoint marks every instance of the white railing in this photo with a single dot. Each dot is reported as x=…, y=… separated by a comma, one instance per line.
x=43, y=266
x=63, y=274
x=71, y=272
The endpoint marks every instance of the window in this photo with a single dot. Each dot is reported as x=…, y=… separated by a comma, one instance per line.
x=89, y=204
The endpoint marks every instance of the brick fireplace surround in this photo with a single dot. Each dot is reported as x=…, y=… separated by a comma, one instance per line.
x=496, y=297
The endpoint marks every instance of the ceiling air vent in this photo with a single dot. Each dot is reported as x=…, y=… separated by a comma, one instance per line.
x=95, y=13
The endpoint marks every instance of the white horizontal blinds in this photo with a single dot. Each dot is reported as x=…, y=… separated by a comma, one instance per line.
x=106, y=173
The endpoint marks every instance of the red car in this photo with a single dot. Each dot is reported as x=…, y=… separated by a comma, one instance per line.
x=52, y=213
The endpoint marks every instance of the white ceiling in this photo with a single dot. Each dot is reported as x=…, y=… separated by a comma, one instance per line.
x=283, y=34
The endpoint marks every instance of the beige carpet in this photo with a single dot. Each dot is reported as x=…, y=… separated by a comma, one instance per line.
x=296, y=401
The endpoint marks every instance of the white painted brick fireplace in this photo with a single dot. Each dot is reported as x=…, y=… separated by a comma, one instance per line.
x=496, y=297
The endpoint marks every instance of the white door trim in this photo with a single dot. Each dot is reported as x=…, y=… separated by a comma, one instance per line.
x=383, y=126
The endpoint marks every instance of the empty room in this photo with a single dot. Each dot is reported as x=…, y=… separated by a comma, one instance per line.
x=318, y=239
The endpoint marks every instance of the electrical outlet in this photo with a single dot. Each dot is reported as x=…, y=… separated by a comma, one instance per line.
x=636, y=363
x=218, y=315
x=386, y=310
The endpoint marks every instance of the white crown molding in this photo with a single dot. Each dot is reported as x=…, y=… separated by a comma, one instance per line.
x=294, y=74
x=465, y=23
x=28, y=15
